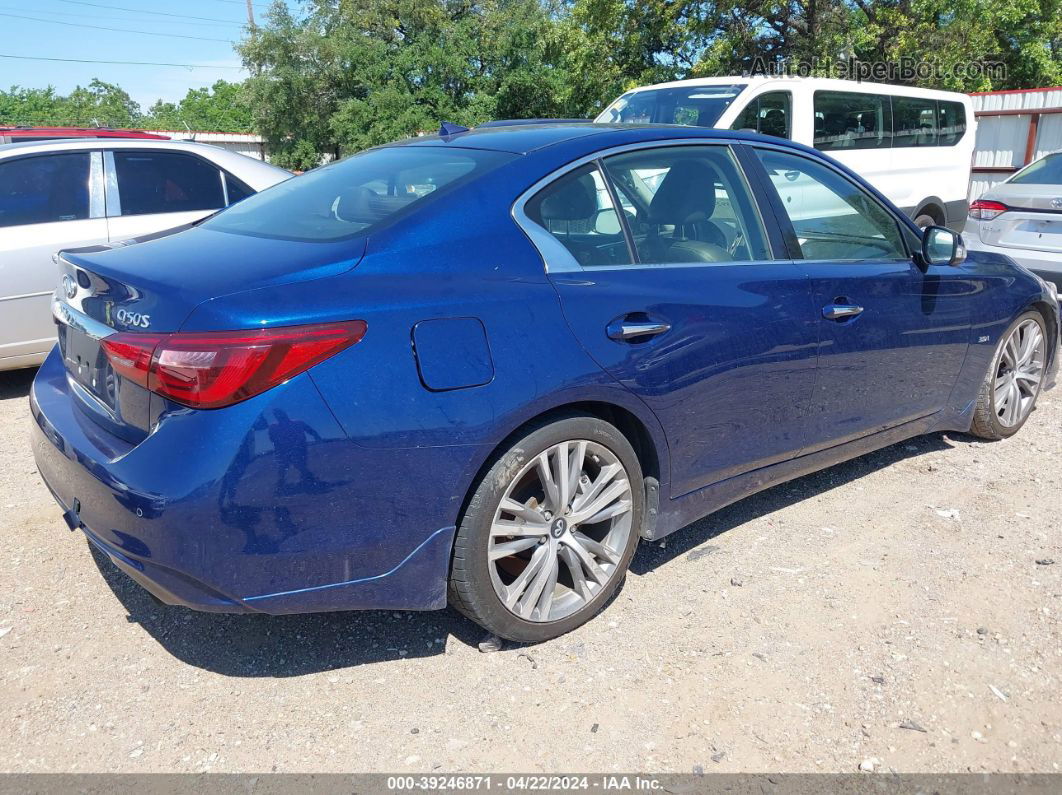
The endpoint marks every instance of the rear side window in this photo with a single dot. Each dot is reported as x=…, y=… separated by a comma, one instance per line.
x=768, y=114
x=851, y=120
x=166, y=182
x=579, y=212
x=237, y=191
x=45, y=189
x=355, y=195
x=951, y=123
x=1045, y=171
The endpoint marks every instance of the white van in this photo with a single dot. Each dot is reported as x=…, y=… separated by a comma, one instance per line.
x=913, y=144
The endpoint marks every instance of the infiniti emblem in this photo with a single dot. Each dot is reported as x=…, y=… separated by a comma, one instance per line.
x=69, y=286
x=558, y=528
x=1057, y=203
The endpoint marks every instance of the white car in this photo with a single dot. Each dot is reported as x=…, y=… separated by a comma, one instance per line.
x=81, y=192
x=1022, y=218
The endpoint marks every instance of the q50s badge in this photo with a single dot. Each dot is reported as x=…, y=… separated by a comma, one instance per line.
x=133, y=319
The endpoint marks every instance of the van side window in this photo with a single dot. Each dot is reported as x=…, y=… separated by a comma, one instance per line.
x=850, y=120
x=951, y=127
x=768, y=114
x=44, y=189
x=916, y=121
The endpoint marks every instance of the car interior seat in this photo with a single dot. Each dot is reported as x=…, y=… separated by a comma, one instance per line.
x=686, y=198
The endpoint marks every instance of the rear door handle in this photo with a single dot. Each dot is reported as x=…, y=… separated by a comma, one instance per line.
x=622, y=329
x=841, y=311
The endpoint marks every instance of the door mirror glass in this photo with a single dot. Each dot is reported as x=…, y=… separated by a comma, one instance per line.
x=607, y=222
x=941, y=246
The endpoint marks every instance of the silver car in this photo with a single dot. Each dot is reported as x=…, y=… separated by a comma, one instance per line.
x=80, y=192
x=1022, y=218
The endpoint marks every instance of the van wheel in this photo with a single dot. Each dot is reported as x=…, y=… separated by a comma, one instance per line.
x=549, y=533
x=1012, y=384
x=923, y=220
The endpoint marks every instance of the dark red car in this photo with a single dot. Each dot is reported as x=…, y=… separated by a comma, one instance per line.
x=10, y=135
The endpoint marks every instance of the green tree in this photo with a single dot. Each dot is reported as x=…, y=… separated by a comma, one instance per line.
x=222, y=107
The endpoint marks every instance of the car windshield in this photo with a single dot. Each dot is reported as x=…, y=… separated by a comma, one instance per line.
x=695, y=106
x=355, y=195
x=1045, y=171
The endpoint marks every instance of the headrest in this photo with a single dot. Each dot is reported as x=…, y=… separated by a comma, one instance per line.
x=686, y=195
x=574, y=200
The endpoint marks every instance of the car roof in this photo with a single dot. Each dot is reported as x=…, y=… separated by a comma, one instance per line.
x=62, y=144
x=524, y=139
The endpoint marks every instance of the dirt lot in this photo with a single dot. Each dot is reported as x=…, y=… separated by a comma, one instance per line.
x=890, y=611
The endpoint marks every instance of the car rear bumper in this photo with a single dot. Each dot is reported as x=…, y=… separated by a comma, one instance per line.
x=1045, y=264
x=199, y=524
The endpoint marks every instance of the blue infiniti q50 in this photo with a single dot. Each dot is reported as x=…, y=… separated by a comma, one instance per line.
x=477, y=368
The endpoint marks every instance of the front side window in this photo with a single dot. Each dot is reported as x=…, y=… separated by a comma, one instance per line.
x=915, y=121
x=767, y=114
x=166, y=182
x=1045, y=171
x=355, y=195
x=852, y=120
x=687, y=204
x=833, y=217
x=695, y=106
x=579, y=213
x=44, y=189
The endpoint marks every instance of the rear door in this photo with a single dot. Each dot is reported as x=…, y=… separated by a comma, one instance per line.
x=892, y=334
x=150, y=191
x=47, y=202
x=683, y=304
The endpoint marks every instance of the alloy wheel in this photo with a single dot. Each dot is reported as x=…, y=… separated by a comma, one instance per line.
x=1018, y=374
x=560, y=531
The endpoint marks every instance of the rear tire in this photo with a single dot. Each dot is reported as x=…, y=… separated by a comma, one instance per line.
x=1014, y=379
x=923, y=220
x=538, y=554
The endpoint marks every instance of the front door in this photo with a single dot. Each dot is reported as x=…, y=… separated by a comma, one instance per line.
x=683, y=305
x=892, y=334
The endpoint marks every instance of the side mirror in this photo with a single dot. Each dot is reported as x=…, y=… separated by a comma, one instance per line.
x=606, y=222
x=941, y=246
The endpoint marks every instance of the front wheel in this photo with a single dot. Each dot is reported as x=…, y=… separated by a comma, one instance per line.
x=548, y=535
x=1012, y=384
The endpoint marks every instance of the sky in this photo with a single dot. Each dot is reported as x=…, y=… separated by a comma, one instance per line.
x=44, y=36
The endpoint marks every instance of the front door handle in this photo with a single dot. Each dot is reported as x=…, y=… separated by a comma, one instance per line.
x=622, y=329
x=841, y=311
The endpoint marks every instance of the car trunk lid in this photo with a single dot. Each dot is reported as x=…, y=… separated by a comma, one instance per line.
x=1033, y=220
x=151, y=288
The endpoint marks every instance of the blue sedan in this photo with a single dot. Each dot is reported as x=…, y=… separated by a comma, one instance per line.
x=477, y=368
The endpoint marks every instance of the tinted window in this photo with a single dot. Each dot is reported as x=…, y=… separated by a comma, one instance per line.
x=951, y=123
x=687, y=204
x=850, y=120
x=39, y=190
x=579, y=212
x=769, y=114
x=697, y=106
x=166, y=182
x=1045, y=171
x=237, y=190
x=834, y=219
x=355, y=195
x=915, y=121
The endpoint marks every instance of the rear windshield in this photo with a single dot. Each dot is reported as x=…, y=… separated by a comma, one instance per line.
x=1045, y=171
x=355, y=195
x=695, y=106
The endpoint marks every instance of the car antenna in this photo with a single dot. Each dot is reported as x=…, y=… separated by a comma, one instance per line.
x=449, y=128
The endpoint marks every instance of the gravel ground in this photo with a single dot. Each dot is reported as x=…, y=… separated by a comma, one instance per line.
x=890, y=611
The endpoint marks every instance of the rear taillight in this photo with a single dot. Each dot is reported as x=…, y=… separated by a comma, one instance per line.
x=982, y=210
x=211, y=369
